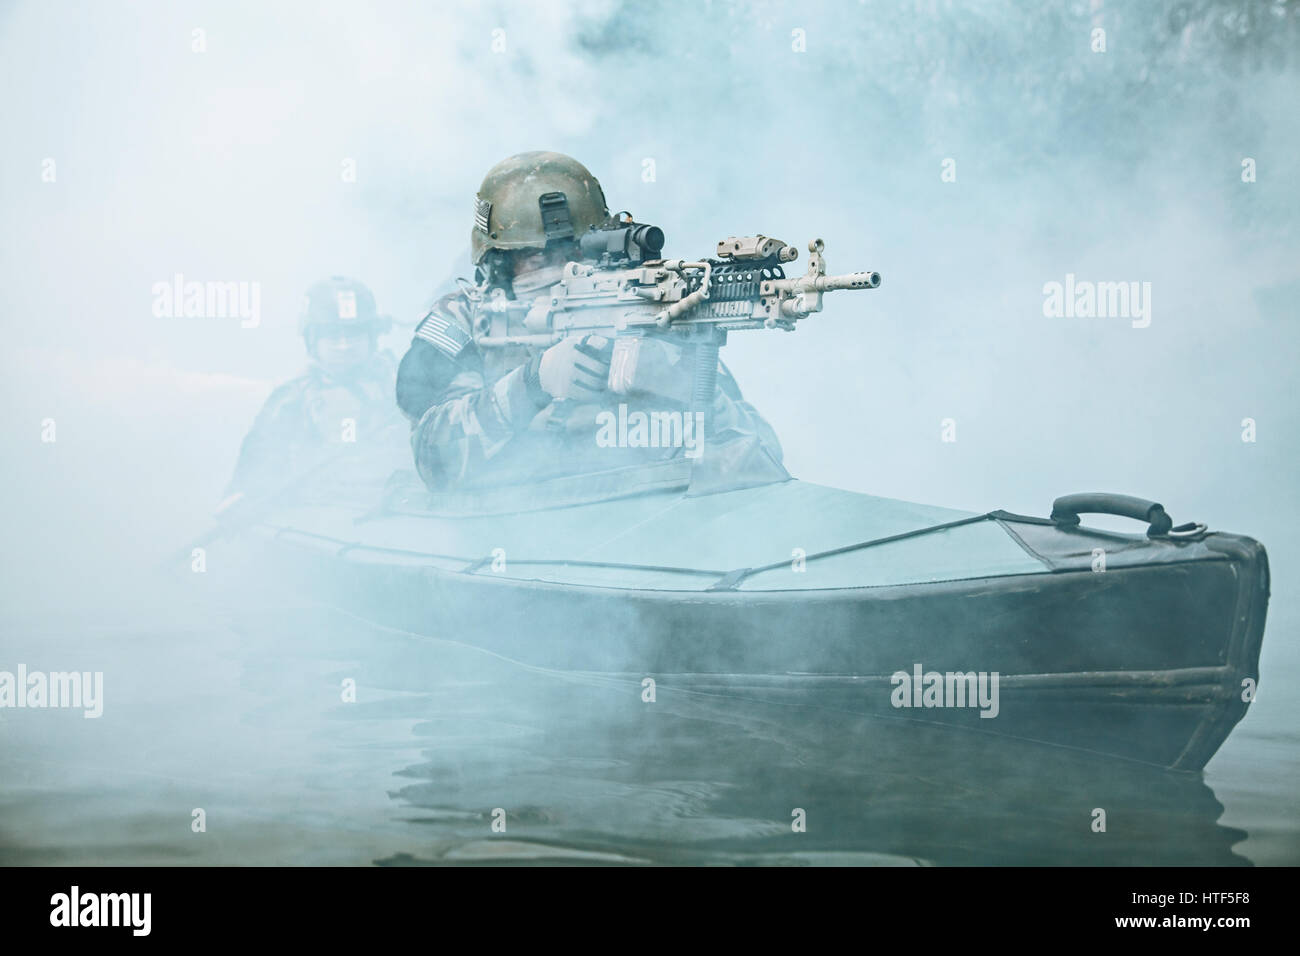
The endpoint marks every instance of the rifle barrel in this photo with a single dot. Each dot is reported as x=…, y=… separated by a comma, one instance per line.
x=852, y=280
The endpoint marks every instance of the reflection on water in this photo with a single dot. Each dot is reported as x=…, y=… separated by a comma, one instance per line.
x=589, y=766
x=243, y=718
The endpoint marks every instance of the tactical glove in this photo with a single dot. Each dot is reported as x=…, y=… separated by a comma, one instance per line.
x=576, y=368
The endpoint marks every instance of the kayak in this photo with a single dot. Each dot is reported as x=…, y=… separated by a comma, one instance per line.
x=1142, y=645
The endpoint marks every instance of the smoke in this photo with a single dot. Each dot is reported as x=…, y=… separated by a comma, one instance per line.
x=220, y=155
x=972, y=154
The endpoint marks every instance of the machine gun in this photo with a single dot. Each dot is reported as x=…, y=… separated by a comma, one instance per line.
x=626, y=290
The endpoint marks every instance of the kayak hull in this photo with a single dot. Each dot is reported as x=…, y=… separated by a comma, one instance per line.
x=1153, y=659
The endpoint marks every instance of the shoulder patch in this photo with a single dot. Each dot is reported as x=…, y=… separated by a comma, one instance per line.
x=443, y=333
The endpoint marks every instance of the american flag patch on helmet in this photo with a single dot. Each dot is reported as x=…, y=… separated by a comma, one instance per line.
x=482, y=210
x=443, y=334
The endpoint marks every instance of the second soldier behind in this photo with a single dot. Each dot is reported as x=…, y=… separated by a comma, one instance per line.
x=343, y=401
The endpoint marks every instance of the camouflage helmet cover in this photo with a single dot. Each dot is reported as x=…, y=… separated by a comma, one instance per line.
x=341, y=302
x=508, y=210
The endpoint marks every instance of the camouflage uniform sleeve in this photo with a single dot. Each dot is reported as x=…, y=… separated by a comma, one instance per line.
x=274, y=445
x=460, y=421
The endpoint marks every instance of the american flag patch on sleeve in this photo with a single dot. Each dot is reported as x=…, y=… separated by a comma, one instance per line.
x=443, y=334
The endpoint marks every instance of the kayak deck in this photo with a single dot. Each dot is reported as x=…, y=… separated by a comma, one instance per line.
x=790, y=536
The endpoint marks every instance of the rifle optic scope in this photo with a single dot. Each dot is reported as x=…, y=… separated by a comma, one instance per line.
x=628, y=240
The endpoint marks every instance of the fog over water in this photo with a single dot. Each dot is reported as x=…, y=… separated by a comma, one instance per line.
x=822, y=119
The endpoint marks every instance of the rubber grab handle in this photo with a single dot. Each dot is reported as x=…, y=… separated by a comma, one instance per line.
x=1067, y=508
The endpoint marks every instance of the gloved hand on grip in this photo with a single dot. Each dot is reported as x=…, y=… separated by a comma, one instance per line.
x=576, y=368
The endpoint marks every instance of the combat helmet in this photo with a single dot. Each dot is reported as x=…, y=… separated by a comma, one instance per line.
x=340, y=303
x=533, y=198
